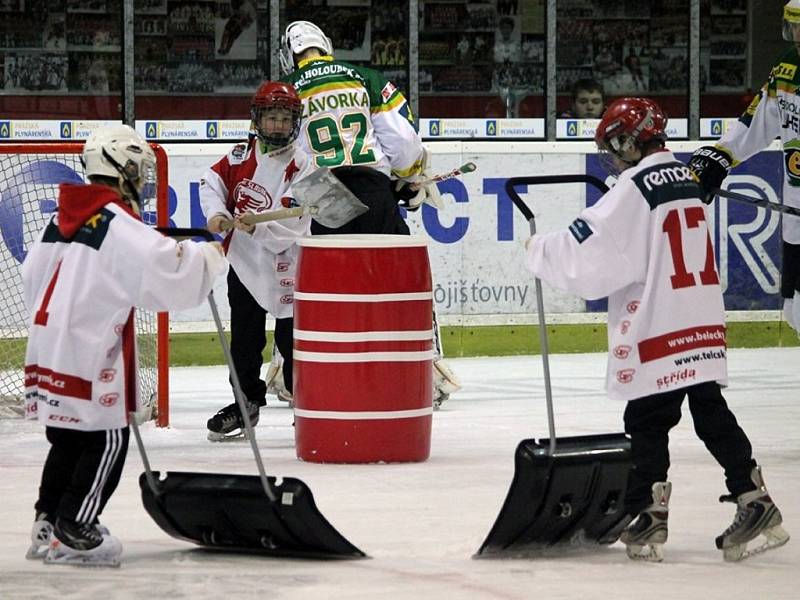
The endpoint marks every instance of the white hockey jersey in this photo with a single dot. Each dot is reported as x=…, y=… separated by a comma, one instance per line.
x=89, y=267
x=353, y=115
x=646, y=246
x=250, y=180
x=774, y=112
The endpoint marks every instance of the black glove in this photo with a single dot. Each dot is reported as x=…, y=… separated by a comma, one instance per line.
x=711, y=166
x=403, y=194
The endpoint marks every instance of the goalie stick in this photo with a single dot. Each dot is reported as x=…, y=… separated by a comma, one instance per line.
x=465, y=168
x=763, y=203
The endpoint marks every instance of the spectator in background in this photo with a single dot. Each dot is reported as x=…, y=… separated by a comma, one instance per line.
x=506, y=46
x=587, y=100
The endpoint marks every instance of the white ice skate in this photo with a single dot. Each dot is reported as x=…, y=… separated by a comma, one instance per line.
x=81, y=544
x=445, y=382
x=40, y=537
x=756, y=514
x=644, y=538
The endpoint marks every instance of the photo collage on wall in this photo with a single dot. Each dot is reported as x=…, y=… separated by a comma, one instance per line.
x=487, y=46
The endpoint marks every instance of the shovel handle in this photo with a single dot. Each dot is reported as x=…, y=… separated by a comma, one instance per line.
x=274, y=215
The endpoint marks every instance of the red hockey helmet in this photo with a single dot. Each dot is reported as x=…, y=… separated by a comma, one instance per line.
x=276, y=95
x=628, y=124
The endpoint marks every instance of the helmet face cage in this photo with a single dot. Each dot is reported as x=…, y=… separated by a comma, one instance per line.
x=271, y=96
x=791, y=16
x=300, y=36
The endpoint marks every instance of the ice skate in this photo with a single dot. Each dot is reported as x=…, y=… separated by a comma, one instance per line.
x=227, y=424
x=82, y=544
x=644, y=538
x=756, y=515
x=40, y=537
x=445, y=383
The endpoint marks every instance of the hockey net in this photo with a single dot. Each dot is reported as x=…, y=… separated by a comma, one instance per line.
x=29, y=178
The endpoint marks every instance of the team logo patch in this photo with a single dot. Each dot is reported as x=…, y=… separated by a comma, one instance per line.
x=282, y=267
x=632, y=306
x=107, y=375
x=287, y=299
x=785, y=71
x=248, y=196
x=287, y=282
x=108, y=399
x=625, y=375
x=622, y=351
x=624, y=326
x=387, y=91
x=791, y=159
x=580, y=230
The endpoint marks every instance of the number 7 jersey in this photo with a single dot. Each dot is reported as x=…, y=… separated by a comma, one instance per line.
x=354, y=116
x=647, y=246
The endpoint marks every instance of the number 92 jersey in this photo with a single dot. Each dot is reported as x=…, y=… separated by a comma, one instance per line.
x=354, y=116
x=646, y=245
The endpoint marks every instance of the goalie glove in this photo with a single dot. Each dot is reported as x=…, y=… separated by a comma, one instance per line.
x=710, y=165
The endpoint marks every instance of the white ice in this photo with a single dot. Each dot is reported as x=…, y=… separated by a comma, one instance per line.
x=421, y=523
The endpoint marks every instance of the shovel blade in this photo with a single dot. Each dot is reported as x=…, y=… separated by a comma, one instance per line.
x=232, y=512
x=573, y=499
x=327, y=200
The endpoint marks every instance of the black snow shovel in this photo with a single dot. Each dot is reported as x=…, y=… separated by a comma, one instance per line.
x=245, y=513
x=567, y=492
x=320, y=195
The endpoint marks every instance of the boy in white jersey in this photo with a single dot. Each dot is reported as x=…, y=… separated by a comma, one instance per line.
x=646, y=246
x=358, y=124
x=93, y=263
x=252, y=178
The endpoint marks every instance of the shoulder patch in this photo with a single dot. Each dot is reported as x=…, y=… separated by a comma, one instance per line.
x=580, y=230
x=92, y=232
x=238, y=153
x=785, y=71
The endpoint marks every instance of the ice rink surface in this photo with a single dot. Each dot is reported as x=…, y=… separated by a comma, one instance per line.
x=421, y=523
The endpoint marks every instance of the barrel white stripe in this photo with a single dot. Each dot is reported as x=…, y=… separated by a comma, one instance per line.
x=348, y=357
x=362, y=415
x=402, y=297
x=363, y=336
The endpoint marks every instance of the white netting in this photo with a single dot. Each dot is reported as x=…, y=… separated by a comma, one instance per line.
x=28, y=194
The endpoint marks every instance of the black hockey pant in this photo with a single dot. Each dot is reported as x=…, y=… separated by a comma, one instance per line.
x=248, y=338
x=81, y=472
x=374, y=189
x=648, y=421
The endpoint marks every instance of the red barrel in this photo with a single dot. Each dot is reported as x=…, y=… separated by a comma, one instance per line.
x=363, y=349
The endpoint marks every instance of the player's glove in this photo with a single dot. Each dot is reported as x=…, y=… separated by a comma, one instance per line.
x=411, y=199
x=710, y=165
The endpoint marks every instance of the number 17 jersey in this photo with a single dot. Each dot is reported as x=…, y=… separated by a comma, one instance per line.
x=647, y=246
x=353, y=116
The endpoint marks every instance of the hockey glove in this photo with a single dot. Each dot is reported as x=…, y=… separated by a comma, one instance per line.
x=411, y=198
x=710, y=165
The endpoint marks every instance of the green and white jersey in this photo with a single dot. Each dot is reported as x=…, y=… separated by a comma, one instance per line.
x=774, y=112
x=354, y=116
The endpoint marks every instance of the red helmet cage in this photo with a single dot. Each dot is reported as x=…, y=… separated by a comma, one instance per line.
x=276, y=94
x=638, y=118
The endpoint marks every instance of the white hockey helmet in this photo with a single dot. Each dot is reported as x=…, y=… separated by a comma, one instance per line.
x=300, y=36
x=120, y=153
x=791, y=17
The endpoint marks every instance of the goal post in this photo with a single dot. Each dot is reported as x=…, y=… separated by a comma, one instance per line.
x=29, y=179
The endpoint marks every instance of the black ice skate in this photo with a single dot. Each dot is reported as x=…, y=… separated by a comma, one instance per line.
x=82, y=544
x=756, y=515
x=227, y=424
x=644, y=538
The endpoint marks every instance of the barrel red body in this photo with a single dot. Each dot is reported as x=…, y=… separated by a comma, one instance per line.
x=363, y=349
